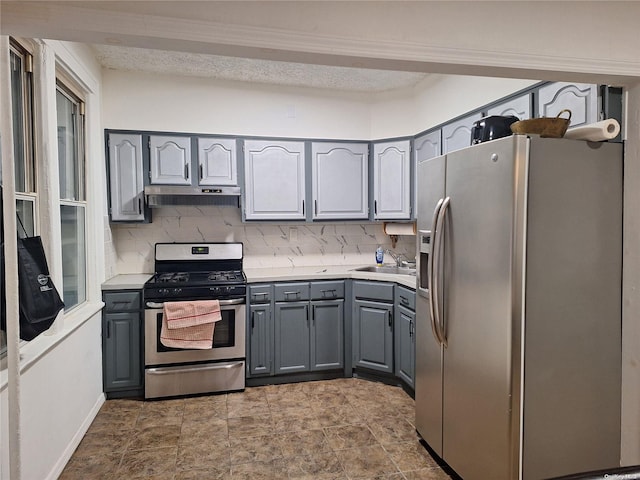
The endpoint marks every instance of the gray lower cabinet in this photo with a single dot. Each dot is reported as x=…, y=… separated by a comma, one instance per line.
x=292, y=337
x=260, y=328
x=373, y=325
x=122, y=342
x=260, y=340
x=296, y=327
x=327, y=335
x=404, y=335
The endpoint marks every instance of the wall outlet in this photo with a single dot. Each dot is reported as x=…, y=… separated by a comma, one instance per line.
x=293, y=234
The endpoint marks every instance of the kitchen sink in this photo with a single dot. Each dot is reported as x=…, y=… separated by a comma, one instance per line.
x=387, y=269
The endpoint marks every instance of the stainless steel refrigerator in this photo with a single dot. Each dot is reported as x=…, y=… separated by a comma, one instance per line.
x=518, y=330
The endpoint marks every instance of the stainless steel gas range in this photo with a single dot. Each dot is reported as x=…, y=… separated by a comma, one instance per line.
x=190, y=272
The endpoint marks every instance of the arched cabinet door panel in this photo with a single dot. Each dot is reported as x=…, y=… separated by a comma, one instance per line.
x=580, y=98
x=274, y=180
x=457, y=135
x=392, y=180
x=170, y=160
x=126, y=182
x=217, y=161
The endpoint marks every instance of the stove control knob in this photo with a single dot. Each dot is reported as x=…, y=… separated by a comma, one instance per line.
x=177, y=290
x=163, y=291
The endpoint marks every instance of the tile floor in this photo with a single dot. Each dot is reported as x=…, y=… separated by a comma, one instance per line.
x=334, y=430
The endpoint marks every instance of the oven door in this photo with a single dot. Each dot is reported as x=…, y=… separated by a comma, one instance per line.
x=228, y=337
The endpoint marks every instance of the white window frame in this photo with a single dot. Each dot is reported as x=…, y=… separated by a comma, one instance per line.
x=66, y=87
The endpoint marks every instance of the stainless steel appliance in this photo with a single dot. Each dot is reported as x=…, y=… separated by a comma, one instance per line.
x=518, y=361
x=196, y=271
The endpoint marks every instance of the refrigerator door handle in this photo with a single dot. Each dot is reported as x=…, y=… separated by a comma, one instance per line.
x=440, y=320
x=430, y=270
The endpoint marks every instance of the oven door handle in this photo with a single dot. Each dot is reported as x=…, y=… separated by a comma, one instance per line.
x=198, y=368
x=234, y=301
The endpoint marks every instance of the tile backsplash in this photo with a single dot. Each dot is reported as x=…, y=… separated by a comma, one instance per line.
x=265, y=244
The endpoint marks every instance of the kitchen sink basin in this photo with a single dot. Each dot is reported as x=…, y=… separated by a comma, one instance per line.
x=387, y=269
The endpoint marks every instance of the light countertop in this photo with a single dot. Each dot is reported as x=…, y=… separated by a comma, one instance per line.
x=279, y=274
x=324, y=272
x=127, y=281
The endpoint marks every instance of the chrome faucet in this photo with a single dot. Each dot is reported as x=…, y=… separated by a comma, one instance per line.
x=396, y=256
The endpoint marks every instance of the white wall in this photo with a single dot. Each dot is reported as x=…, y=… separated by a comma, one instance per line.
x=59, y=387
x=435, y=100
x=140, y=101
x=60, y=396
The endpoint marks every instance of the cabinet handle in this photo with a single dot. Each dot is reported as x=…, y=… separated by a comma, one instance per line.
x=108, y=329
x=139, y=205
x=375, y=207
x=186, y=171
x=297, y=294
x=390, y=319
x=253, y=314
x=302, y=207
x=315, y=206
x=201, y=172
x=404, y=300
x=313, y=314
x=332, y=291
x=410, y=328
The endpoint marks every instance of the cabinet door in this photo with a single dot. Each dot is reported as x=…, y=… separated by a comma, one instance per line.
x=274, y=180
x=217, y=161
x=392, y=180
x=340, y=180
x=125, y=177
x=405, y=345
x=580, y=98
x=292, y=337
x=457, y=135
x=425, y=147
x=170, y=160
x=260, y=340
x=519, y=106
x=122, y=351
x=327, y=335
x=373, y=336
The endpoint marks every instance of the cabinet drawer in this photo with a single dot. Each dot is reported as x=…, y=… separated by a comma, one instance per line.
x=122, y=301
x=291, y=292
x=327, y=290
x=406, y=298
x=377, y=291
x=260, y=294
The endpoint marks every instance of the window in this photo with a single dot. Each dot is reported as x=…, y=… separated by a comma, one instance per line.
x=22, y=118
x=71, y=158
x=23, y=144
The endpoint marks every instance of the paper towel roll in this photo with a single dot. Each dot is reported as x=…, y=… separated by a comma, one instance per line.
x=595, y=132
x=392, y=228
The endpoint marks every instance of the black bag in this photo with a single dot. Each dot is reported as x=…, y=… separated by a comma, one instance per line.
x=39, y=299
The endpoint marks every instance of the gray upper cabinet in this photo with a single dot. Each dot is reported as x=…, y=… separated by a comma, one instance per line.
x=425, y=147
x=274, y=180
x=580, y=98
x=392, y=180
x=519, y=107
x=170, y=160
x=126, y=182
x=457, y=135
x=340, y=179
x=217, y=161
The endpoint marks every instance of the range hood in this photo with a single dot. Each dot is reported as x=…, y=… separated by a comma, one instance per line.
x=168, y=195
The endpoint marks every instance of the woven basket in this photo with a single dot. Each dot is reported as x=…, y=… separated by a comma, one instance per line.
x=545, y=127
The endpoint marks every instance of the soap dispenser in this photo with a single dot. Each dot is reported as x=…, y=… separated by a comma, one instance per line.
x=379, y=255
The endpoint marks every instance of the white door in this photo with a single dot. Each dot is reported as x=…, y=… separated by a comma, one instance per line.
x=170, y=159
x=392, y=180
x=274, y=180
x=217, y=161
x=125, y=177
x=340, y=178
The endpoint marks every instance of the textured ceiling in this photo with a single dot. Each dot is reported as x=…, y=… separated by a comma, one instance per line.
x=256, y=71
